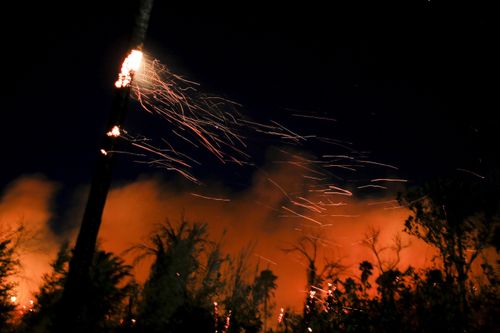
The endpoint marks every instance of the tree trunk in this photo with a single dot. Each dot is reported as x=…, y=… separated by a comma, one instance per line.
x=72, y=309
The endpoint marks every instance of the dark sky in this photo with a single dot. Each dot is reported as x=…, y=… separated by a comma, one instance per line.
x=413, y=85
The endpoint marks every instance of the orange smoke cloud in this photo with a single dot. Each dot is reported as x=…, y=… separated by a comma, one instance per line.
x=134, y=210
x=27, y=202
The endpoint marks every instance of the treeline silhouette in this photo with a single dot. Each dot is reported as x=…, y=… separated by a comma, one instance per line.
x=193, y=286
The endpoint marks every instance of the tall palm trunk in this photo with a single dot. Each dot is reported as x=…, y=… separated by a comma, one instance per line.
x=71, y=314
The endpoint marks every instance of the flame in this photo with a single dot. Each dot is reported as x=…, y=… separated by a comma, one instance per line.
x=280, y=317
x=216, y=316
x=130, y=65
x=114, y=132
x=228, y=321
x=13, y=299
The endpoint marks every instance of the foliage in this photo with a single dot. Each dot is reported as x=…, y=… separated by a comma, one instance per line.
x=263, y=291
x=184, y=278
x=194, y=287
x=459, y=218
x=105, y=297
x=8, y=265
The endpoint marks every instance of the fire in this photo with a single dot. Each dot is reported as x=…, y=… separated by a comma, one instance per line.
x=13, y=299
x=280, y=317
x=114, y=132
x=228, y=321
x=130, y=65
x=216, y=315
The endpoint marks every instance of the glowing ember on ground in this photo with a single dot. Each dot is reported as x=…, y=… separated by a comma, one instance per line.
x=130, y=65
x=282, y=313
x=228, y=321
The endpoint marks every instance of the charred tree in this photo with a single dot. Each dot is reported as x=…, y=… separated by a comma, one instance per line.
x=72, y=310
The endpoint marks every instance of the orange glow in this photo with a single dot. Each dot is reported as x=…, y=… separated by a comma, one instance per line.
x=27, y=202
x=130, y=65
x=134, y=209
x=251, y=216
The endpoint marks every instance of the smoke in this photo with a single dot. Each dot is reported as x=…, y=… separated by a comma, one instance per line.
x=134, y=209
x=27, y=203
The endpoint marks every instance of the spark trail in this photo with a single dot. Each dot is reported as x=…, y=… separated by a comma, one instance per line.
x=217, y=125
x=207, y=121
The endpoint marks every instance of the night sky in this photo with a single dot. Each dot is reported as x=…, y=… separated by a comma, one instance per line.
x=412, y=85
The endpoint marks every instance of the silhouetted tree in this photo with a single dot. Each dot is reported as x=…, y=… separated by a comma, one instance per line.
x=105, y=295
x=485, y=302
x=8, y=265
x=307, y=247
x=240, y=308
x=263, y=291
x=180, y=285
x=371, y=241
x=366, y=269
x=458, y=217
x=435, y=302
